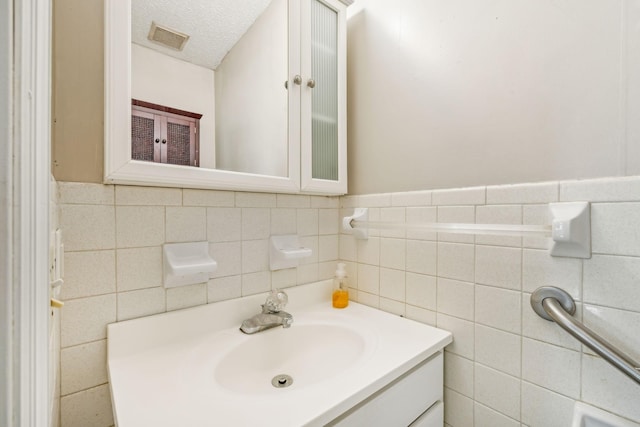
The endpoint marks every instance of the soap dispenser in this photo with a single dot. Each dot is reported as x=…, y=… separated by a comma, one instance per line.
x=340, y=288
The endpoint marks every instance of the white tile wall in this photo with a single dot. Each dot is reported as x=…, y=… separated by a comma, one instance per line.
x=602, y=319
x=459, y=196
x=552, y=367
x=485, y=416
x=420, y=256
x=606, y=387
x=499, y=214
x=497, y=390
x=458, y=374
x=185, y=224
x=455, y=298
x=140, y=226
x=114, y=237
x=78, y=265
x=283, y=221
x=456, y=214
x=88, y=227
x=90, y=407
x=223, y=225
x=421, y=290
x=507, y=366
x=455, y=261
x=463, y=334
x=542, y=407
x=458, y=409
x=84, y=319
x=543, y=192
x=138, y=268
x=83, y=366
x=411, y=198
x=498, y=349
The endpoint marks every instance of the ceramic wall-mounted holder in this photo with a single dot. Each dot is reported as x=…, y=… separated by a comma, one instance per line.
x=285, y=251
x=359, y=214
x=187, y=263
x=571, y=229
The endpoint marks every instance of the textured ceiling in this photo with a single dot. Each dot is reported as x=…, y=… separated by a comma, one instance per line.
x=214, y=26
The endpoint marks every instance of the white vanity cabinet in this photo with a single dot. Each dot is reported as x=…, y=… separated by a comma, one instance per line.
x=413, y=400
x=356, y=366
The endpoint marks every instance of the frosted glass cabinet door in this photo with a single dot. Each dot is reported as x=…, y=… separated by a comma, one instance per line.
x=324, y=96
x=323, y=103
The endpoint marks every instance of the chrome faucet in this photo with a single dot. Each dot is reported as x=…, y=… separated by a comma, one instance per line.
x=272, y=314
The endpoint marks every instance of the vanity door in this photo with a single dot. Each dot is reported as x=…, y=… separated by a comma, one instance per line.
x=323, y=97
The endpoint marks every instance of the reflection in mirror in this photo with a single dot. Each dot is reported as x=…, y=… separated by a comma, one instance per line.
x=225, y=61
x=164, y=135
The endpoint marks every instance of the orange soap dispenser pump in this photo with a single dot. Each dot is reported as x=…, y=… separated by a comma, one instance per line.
x=340, y=288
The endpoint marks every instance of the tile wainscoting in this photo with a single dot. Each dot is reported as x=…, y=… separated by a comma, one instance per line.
x=506, y=367
x=113, y=264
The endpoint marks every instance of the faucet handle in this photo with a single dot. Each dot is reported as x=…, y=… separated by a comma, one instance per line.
x=276, y=301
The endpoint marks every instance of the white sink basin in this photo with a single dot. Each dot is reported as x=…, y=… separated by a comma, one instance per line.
x=194, y=367
x=307, y=352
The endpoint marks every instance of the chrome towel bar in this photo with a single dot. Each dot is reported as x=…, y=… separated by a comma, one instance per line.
x=554, y=304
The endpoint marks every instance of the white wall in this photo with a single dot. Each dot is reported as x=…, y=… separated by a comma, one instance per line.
x=251, y=101
x=455, y=93
x=164, y=80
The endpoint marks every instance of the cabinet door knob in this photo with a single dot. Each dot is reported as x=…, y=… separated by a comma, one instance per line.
x=311, y=83
x=164, y=141
x=157, y=140
x=297, y=79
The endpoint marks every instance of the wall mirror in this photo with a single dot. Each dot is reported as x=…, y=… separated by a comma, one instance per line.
x=225, y=62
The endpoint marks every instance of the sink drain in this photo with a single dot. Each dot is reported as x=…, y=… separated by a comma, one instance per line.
x=281, y=381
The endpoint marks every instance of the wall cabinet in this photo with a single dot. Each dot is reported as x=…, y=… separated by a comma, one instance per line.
x=316, y=118
x=164, y=135
x=323, y=99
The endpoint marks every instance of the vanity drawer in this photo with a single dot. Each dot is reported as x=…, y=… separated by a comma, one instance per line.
x=403, y=401
x=434, y=417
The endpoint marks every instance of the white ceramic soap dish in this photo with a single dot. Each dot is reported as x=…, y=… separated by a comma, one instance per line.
x=187, y=263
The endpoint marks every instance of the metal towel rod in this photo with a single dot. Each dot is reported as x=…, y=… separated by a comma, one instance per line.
x=570, y=228
x=554, y=304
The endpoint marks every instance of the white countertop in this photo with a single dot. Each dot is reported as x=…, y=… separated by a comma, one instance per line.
x=162, y=367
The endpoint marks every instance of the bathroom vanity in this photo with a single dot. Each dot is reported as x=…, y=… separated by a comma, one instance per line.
x=340, y=367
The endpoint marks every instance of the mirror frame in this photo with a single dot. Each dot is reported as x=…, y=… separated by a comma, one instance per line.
x=119, y=168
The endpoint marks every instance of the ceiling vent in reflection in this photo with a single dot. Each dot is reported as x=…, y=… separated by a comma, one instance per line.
x=167, y=37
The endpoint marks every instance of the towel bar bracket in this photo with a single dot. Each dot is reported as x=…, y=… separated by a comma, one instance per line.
x=558, y=294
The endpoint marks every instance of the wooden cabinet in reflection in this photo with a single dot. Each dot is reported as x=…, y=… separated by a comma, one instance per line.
x=164, y=135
